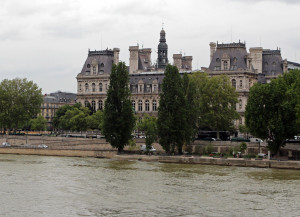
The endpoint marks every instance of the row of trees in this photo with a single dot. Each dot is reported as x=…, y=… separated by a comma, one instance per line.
x=77, y=118
x=187, y=103
x=273, y=110
x=191, y=102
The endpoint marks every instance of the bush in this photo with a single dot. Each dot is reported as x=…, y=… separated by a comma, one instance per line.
x=250, y=156
x=243, y=147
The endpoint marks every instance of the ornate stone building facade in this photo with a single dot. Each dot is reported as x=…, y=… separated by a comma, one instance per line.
x=245, y=68
x=145, y=77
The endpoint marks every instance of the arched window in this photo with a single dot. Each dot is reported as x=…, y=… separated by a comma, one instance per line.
x=147, y=106
x=240, y=104
x=100, y=104
x=241, y=83
x=86, y=103
x=133, y=105
x=233, y=83
x=140, y=105
x=86, y=87
x=93, y=87
x=93, y=106
x=100, y=87
x=154, y=105
x=102, y=65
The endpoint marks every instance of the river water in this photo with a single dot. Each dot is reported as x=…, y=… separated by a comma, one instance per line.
x=61, y=186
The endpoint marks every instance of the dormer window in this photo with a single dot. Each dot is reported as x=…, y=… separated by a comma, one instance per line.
x=225, y=65
x=102, y=65
x=88, y=65
x=94, y=70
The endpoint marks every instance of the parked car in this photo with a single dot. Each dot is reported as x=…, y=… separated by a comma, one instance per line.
x=42, y=146
x=6, y=144
x=143, y=148
x=256, y=140
x=261, y=155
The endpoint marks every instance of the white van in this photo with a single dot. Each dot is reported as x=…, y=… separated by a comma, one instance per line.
x=256, y=140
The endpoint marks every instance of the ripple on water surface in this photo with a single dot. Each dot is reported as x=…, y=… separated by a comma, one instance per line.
x=58, y=186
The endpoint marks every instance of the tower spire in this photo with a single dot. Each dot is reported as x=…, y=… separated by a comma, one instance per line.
x=162, y=59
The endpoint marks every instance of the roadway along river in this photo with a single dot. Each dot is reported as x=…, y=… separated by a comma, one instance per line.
x=60, y=186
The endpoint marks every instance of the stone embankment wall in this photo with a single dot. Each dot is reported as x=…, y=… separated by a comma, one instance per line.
x=264, y=163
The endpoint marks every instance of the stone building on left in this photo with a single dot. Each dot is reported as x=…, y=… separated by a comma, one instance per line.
x=53, y=101
x=145, y=76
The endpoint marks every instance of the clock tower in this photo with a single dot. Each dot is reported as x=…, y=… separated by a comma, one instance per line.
x=162, y=59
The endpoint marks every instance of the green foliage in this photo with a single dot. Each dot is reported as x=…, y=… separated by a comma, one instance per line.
x=39, y=123
x=243, y=147
x=95, y=121
x=191, y=109
x=119, y=120
x=171, y=112
x=216, y=101
x=20, y=100
x=73, y=118
x=272, y=110
x=149, y=126
x=61, y=111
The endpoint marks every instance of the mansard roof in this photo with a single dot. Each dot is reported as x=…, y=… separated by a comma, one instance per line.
x=272, y=62
x=147, y=78
x=231, y=51
x=105, y=57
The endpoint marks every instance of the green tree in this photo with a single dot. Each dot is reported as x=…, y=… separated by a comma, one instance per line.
x=39, y=123
x=243, y=129
x=61, y=111
x=191, y=109
x=271, y=111
x=119, y=119
x=149, y=126
x=171, y=112
x=75, y=119
x=216, y=102
x=20, y=100
x=95, y=121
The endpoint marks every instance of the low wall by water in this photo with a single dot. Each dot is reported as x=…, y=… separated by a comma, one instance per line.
x=263, y=163
x=59, y=152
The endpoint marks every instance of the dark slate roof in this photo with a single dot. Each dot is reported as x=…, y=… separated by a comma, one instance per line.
x=233, y=50
x=147, y=78
x=49, y=99
x=272, y=62
x=64, y=96
x=105, y=56
x=261, y=78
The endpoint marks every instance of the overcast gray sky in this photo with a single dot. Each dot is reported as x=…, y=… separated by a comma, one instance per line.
x=47, y=41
